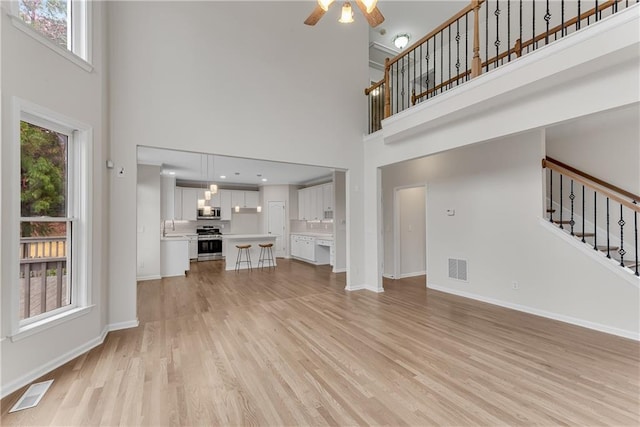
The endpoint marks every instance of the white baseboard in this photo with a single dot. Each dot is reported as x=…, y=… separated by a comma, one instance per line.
x=339, y=270
x=143, y=278
x=52, y=364
x=542, y=313
x=414, y=274
x=364, y=287
x=123, y=325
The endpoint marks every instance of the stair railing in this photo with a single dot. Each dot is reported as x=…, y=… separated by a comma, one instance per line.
x=450, y=55
x=609, y=216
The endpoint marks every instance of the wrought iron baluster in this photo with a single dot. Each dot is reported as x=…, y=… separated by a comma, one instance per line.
x=608, y=243
x=397, y=86
x=595, y=222
x=497, y=42
x=509, y=30
x=441, y=60
x=547, y=17
x=449, y=57
x=533, y=28
x=457, y=52
x=572, y=196
x=550, y=195
x=635, y=222
x=466, y=45
x=621, y=251
x=520, y=23
x=370, y=115
x=583, y=215
x=595, y=15
x=402, y=92
x=427, y=80
x=486, y=35
x=578, y=21
x=561, y=225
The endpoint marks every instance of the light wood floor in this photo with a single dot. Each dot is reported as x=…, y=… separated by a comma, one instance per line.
x=291, y=347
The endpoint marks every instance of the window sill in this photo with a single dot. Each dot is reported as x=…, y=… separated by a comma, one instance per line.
x=65, y=53
x=50, y=322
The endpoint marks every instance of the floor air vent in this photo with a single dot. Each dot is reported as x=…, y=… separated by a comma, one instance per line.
x=32, y=396
x=458, y=269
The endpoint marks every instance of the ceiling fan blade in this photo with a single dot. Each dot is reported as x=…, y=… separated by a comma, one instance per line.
x=374, y=18
x=315, y=16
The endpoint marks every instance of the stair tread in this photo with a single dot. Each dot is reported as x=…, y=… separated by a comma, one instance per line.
x=603, y=248
x=581, y=234
x=564, y=221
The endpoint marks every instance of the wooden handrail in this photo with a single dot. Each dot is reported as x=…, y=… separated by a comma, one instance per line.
x=609, y=190
x=415, y=97
x=445, y=24
x=374, y=86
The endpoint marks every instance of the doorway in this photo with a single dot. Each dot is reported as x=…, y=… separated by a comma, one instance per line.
x=410, y=231
x=276, y=225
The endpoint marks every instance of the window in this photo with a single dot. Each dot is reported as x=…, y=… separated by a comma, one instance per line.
x=54, y=251
x=63, y=22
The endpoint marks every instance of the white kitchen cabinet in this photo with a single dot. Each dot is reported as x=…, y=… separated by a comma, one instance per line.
x=174, y=257
x=251, y=199
x=225, y=205
x=303, y=247
x=245, y=199
x=189, y=204
x=167, y=197
x=302, y=204
x=327, y=197
x=177, y=206
x=215, y=200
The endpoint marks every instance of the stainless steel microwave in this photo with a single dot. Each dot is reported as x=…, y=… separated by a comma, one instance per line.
x=209, y=213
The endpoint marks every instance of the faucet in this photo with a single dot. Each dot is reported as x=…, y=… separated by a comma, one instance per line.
x=164, y=227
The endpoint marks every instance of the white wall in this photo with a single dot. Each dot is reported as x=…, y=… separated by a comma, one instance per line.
x=177, y=82
x=340, y=221
x=35, y=73
x=496, y=191
x=148, y=227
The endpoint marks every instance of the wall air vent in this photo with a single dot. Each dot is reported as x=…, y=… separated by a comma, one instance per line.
x=32, y=396
x=458, y=269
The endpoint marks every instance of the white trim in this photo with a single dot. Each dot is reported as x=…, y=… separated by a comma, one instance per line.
x=414, y=274
x=144, y=278
x=123, y=325
x=49, y=322
x=65, y=53
x=339, y=270
x=542, y=313
x=364, y=287
x=396, y=230
x=53, y=364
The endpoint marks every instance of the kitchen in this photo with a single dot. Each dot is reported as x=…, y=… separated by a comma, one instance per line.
x=197, y=207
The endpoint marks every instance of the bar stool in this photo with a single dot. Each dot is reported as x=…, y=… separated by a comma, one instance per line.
x=243, y=249
x=266, y=254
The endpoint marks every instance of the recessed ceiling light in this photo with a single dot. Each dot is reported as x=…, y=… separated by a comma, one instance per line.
x=264, y=179
x=223, y=176
x=259, y=175
x=172, y=173
x=237, y=173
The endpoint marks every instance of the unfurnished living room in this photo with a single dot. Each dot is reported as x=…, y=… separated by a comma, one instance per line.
x=320, y=212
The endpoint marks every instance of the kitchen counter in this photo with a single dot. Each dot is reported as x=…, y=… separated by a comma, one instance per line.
x=323, y=236
x=231, y=252
x=178, y=236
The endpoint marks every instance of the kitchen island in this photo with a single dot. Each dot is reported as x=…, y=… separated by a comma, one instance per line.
x=231, y=252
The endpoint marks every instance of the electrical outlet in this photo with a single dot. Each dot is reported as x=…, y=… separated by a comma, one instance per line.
x=515, y=285
x=120, y=172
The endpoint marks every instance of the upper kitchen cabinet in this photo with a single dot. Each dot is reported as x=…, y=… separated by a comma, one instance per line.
x=314, y=201
x=190, y=204
x=215, y=200
x=245, y=199
x=167, y=197
x=225, y=205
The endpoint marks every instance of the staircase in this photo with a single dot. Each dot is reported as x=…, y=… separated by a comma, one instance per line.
x=602, y=216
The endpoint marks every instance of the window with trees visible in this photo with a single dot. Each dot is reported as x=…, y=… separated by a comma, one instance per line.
x=64, y=22
x=46, y=220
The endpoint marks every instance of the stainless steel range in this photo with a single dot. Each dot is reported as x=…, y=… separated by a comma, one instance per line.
x=209, y=243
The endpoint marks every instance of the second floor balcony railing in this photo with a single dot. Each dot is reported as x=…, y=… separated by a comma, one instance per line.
x=482, y=36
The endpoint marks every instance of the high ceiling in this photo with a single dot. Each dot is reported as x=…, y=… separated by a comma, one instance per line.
x=188, y=166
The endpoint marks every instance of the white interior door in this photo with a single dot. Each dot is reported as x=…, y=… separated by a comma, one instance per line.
x=276, y=226
x=411, y=239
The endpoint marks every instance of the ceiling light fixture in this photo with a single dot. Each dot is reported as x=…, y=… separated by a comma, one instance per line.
x=264, y=179
x=223, y=177
x=259, y=209
x=347, y=14
x=401, y=40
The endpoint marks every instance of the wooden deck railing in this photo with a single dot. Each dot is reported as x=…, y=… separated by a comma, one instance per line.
x=44, y=284
x=450, y=55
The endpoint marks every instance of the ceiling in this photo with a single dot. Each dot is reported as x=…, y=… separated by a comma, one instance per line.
x=189, y=166
x=415, y=18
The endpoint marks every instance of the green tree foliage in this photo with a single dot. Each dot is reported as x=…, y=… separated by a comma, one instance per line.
x=49, y=17
x=43, y=172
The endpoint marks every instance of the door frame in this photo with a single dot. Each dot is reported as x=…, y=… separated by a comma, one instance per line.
x=284, y=229
x=396, y=227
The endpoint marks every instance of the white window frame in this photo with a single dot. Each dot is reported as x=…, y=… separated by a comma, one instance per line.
x=80, y=162
x=79, y=37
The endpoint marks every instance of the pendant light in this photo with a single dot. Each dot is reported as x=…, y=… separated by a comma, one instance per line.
x=213, y=188
x=370, y=5
x=324, y=4
x=347, y=14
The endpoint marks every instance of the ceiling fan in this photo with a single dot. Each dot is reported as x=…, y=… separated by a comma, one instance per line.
x=367, y=7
